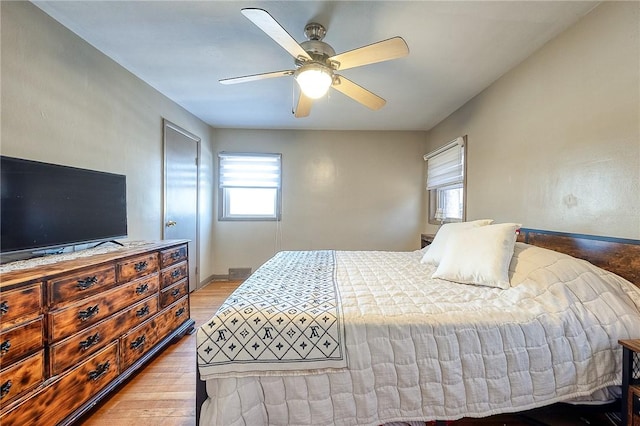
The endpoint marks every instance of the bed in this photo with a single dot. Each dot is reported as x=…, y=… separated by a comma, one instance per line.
x=377, y=340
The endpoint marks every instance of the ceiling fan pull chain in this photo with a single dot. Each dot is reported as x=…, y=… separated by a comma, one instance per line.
x=293, y=97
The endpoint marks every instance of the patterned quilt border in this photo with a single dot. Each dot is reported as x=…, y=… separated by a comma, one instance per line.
x=285, y=318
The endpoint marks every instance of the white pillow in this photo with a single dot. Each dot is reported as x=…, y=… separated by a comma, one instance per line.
x=436, y=248
x=479, y=255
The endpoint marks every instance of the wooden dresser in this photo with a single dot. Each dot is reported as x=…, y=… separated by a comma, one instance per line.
x=73, y=330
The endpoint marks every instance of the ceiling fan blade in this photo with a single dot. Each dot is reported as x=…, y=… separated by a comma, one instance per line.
x=256, y=77
x=385, y=50
x=273, y=29
x=358, y=93
x=303, y=108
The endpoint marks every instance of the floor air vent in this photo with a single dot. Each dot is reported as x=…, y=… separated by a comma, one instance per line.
x=239, y=273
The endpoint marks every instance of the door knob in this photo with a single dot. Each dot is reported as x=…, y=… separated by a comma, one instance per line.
x=171, y=223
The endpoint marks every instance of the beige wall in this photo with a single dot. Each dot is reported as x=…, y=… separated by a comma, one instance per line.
x=555, y=143
x=341, y=190
x=64, y=102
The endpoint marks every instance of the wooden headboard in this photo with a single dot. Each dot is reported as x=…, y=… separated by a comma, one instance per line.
x=618, y=255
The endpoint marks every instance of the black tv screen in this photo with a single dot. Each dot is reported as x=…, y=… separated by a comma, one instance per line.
x=48, y=206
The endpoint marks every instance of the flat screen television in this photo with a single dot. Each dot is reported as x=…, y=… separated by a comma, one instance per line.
x=47, y=206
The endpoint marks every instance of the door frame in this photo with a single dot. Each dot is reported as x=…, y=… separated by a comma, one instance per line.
x=165, y=125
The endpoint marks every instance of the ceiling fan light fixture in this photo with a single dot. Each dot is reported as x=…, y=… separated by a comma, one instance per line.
x=314, y=80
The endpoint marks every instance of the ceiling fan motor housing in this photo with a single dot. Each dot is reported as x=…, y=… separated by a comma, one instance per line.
x=318, y=50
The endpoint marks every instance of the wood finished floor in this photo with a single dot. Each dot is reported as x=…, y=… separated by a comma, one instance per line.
x=163, y=392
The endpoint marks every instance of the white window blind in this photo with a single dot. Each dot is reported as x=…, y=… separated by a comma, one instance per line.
x=249, y=170
x=445, y=166
x=249, y=186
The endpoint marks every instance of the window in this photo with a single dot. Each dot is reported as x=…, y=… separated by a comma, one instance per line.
x=250, y=186
x=446, y=182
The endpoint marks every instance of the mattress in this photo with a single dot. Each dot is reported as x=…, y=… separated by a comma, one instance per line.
x=426, y=349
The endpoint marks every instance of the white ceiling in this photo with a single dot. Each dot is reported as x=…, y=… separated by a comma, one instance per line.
x=182, y=48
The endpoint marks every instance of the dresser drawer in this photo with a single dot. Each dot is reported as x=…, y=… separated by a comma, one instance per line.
x=138, y=341
x=174, y=274
x=137, y=267
x=146, y=286
x=21, y=377
x=20, y=305
x=82, y=284
x=50, y=405
x=172, y=256
x=21, y=340
x=171, y=294
x=65, y=322
x=172, y=317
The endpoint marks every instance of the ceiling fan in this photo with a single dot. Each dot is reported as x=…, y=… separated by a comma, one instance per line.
x=317, y=63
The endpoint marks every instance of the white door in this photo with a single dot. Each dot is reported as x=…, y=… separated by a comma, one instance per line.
x=181, y=150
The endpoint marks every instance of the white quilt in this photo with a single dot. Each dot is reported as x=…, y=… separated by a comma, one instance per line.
x=425, y=349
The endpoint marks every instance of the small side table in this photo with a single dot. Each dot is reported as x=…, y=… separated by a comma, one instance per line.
x=426, y=239
x=630, y=414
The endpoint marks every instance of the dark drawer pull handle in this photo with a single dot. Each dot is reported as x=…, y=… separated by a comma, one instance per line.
x=91, y=340
x=179, y=312
x=140, y=341
x=89, y=313
x=141, y=266
x=176, y=255
x=5, y=388
x=100, y=371
x=141, y=289
x=175, y=274
x=143, y=311
x=4, y=347
x=4, y=307
x=175, y=292
x=87, y=283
